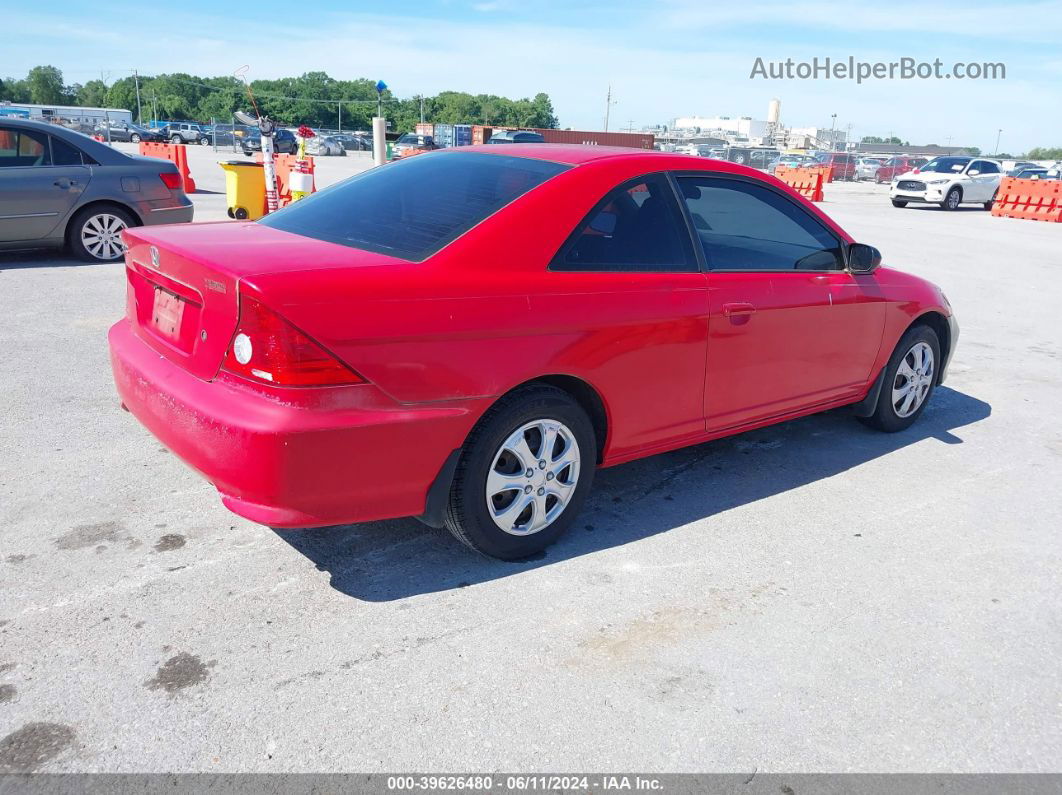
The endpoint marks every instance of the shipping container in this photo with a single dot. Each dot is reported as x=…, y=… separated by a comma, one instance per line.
x=462, y=134
x=444, y=135
x=636, y=140
x=481, y=134
x=425, y=128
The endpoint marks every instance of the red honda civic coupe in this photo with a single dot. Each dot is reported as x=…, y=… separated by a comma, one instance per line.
x=466, y=335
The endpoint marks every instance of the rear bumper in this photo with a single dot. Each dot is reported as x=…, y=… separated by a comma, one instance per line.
x=323, y=461
x=168, y=212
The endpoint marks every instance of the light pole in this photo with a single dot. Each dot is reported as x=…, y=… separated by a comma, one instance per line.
x=998, y=133
x=833, y=124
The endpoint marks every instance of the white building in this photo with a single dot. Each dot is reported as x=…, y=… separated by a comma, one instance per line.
x=744, y=127
x=25, y=110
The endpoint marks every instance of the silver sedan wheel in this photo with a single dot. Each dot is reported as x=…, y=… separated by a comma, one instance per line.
x=533, y=477
x=914, y=378
x=102, y=236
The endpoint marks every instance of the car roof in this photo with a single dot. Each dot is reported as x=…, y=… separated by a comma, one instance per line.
x=585, y=154
x=573, y=154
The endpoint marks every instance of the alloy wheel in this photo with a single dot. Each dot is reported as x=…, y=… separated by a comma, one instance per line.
x=914, y=378
x=102, y=236
x=533, y=477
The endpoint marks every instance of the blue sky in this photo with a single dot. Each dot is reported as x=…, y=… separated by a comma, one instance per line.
x=663, y=59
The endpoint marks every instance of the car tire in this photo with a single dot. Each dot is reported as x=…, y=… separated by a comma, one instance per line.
x=134, y=138
x=92, y=233
x=992, y=201
x=952, y=199
x=175, y=139
x=491, y=449
x=907, y=371
x=204, y=141
x=899, y=203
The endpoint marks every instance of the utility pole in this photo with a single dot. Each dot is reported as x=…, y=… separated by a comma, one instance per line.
x=833, y=124
x=998, y=133
x=421, y=98
x=630, y=125
x=139, y=113
x=339, y=106
x=608, y=105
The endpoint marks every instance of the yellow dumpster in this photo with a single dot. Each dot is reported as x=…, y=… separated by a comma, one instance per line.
x=245, y=192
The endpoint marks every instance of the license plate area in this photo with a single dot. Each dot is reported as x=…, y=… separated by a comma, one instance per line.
x=167, y=313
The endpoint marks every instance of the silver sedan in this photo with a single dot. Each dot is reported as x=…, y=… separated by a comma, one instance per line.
x=59, y=188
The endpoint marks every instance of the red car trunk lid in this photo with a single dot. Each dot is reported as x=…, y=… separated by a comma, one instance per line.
x=183, y=282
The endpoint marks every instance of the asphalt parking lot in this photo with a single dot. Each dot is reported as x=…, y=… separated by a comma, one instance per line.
x=810, y=597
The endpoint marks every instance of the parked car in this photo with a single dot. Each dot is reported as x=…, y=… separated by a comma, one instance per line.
x=324, y=145
x=132, y=133
x=949, y=182
x=284, y=142
x=354, y=143
x=1034, y=172
x=515, y=137
x=842, y=163
x=1021, y=165
x=790, y=161
x=58, y=187
x=895, y=166
x=756, y=157
x=456, y=336
x=867, y=167
x=412, y=144
x=187, y=133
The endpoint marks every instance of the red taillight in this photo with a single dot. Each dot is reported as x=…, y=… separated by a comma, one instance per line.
x=267, y=348
x=171, y=179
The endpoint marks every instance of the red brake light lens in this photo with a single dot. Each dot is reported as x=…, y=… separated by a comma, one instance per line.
x=268, y=349
x=171, y=179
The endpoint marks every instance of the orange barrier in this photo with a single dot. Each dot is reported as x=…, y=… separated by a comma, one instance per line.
x=176, y=154
x=285, y=164
x=805, y=181
x=1031, y=199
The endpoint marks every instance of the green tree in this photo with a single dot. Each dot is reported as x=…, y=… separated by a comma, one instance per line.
x=12, y=90
x=1045, y=153
x=45, y=85
x=93, y=94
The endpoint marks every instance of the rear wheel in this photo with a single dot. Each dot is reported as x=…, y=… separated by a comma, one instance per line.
x=175, y=139
x=909, y=381
x=204, y=141
x=953, y=199
x=899, y=203
x=95, y=233
x=134, y=138
x=523, y=474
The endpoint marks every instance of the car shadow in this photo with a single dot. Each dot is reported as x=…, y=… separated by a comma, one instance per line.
x=20, y=259
x=385, y=561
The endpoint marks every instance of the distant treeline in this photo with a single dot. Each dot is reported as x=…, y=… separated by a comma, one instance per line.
x=314, y=98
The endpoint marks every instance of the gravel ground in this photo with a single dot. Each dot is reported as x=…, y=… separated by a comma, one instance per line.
x=809, y=597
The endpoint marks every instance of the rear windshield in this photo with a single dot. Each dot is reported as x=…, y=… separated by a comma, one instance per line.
x=412, y=208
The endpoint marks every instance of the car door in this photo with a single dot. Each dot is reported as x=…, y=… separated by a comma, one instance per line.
x=630, y=265
x=789, y=327
x=36, y=192
x=989, y=179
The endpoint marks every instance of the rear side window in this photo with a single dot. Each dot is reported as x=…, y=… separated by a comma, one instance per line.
x=63, y=154
x=746, y=227
x=412, y=208
x=637, y=227
x=21, y=148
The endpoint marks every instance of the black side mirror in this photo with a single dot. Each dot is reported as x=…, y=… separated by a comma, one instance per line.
x=863, y=258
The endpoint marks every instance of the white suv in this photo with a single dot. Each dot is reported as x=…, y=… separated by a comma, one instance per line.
x=949, y=182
